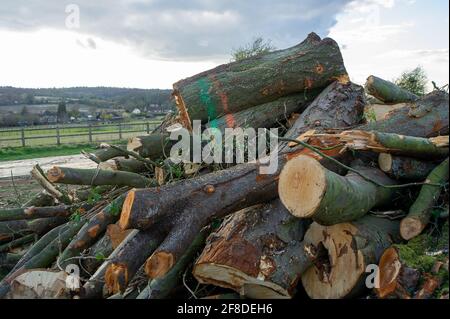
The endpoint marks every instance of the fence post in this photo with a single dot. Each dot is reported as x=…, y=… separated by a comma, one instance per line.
x=90, y=132
x=22, y=136
x=58, y=141
x=148, y=127
x=120, y=131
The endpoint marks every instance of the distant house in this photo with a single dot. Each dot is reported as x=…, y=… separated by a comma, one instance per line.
x=136, y=111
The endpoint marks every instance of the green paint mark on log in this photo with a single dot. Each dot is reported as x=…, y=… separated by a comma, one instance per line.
x=206, y=98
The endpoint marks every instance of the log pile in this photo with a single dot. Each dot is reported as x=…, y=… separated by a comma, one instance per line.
x=340, y=215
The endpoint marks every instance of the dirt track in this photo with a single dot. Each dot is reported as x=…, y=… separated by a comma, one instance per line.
x=23, y=167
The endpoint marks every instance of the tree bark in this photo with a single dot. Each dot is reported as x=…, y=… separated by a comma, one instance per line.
x=92, y=230
x=45, y=256
x=314, y=63
x=17, y=242
x=405, y=168
x=38, y=212
x=265, y=115
x=8, y=260
x=396, y=278
x=130, y=257
x=190, y=205
x=342, y=253
x=94, y=177
x=13, y=229
x=160, y=288
x=396, y=144
x=152, y=146
x=308, y=190
x=420, y=212
x=427, y=117
x=257, y=252
x=388, y=92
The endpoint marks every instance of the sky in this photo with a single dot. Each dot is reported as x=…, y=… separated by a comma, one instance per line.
x=154, y=43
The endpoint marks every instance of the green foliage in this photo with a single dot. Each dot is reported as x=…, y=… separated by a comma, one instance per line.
x=93, y=196
x=369, y=115
x=257, y=47
x=114, y=209
x=76, y=216
x=100, y=256
x=414, y=81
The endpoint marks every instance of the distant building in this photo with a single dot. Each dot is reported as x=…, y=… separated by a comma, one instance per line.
x=136, y=111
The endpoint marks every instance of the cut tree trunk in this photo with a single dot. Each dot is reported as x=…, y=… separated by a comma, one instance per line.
x=420, y=212
x=38, y=212
x=40, y=200
x=95, y=177
x=103, y=154
x=160, y=288
x=427, y=117
x=190, y=205
x=130, y=257
x=153, y=146
x=265, y=115
x=405, y=168
x=339, y=105
x=8, y=260
x=45, y=256
x=257, y=252
x=388, y=92
x=314, y=63
x=342, y=253
x=396, y=144
x=92, y=230
x=308, y=190
x=396, y=279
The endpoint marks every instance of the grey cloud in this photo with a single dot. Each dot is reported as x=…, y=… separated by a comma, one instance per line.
x=187, y=30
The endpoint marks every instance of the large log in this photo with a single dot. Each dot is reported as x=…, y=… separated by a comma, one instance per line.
x=388, y=92
x=397, y=144
x=342, y=253
x=96, y=177
x=427, y=117
x=420, y=212
x=405, y=168
x=257, y=252
x=190, y=205
x=266, y=115
x=232, y=87
x=308, y=190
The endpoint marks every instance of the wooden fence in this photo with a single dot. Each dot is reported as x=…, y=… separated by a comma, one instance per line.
x=64, y=134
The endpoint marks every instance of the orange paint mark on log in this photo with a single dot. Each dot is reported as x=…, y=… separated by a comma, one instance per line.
x=79, y=244
x=319, y=68
x=209, y=189
x=308, y=83
x=93, y=231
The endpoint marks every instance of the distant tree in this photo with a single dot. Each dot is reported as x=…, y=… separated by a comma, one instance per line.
x=75, y=111
x=414, y=81
x=61, y=114
x=24, y=111
x=257, y=47
x=29, y=99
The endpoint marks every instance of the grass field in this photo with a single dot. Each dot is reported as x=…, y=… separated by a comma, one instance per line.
x=20, y=153
x=69, y=134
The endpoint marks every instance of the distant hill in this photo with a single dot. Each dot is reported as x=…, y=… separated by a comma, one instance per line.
x=93, y=96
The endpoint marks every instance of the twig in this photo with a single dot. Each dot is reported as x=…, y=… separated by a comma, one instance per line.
x=18, y=200
x=133, y=154
x=187, y=287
